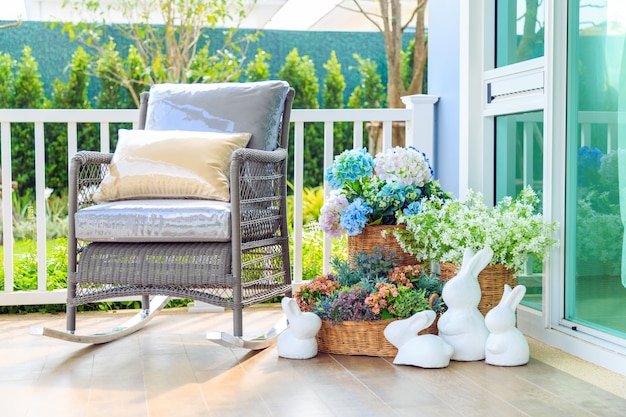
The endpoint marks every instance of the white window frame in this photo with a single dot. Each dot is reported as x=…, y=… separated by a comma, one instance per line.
x=476, y=152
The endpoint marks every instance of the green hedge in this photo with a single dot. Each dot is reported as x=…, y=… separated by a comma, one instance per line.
x=53, y=50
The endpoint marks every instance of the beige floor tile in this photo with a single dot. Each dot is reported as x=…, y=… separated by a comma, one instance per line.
x=170, y=369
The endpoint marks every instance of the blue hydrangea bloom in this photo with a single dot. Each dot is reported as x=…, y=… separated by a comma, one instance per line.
x=354, y=218
x=350, y=165
x=413, y=208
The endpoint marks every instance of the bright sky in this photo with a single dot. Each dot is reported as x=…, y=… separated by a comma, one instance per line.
x=12, y=10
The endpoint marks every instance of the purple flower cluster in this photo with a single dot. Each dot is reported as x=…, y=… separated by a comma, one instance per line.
x=347, y=304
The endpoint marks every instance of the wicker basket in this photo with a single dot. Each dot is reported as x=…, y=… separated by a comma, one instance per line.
x=359, y=337
x=371, y=237
x=491, y=281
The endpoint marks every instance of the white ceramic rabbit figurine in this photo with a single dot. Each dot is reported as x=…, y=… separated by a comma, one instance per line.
x=462, y=326
x=506, y=345
x=298, y=340
x=425, y=351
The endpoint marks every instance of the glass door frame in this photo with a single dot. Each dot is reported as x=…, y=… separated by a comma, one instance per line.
x=476, y=124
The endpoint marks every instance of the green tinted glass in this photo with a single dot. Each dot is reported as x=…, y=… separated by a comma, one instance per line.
x=519, y=162
x=519, y=31
x=596, y=166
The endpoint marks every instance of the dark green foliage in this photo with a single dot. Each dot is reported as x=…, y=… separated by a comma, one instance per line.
x=28, y=86
x=7, y=64
x=53, y=49
x=407, y=63
x=299, y=72
x=28, y=94
x=334, y=84
x=111, y=94
x=68, y=95
x=366, y=268
x=370, y=93
x=333, y=98
x=73, y=94
x=431, y=283
x=407, y=66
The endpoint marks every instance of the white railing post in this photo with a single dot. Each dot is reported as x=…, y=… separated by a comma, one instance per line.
x=329, y=144
x=298, y=181
x=40, y=204
x=7, y=206
x=420, y=128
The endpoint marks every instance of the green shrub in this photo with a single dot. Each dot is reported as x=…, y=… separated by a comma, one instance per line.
x=333, y=98
x=299, y=72
x=25, y=227
x=313, y=250
x=370, y=93
x=259, y=68
x=28, y=94
x=25, y=266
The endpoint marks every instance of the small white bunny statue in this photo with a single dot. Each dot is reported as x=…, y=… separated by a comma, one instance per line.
x=425, y=351
x=506, y=345
x=462, y=326
x=298, y=340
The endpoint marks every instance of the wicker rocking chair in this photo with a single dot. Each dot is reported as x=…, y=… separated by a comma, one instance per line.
x=143, y=232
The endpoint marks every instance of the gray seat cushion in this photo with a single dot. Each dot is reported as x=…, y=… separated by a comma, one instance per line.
x=159, y=220
x=254, y=107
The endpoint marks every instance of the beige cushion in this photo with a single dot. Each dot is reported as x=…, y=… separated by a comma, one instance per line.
x=170, y=164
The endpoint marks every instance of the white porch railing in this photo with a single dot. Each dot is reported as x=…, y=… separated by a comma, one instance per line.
x=418, y=115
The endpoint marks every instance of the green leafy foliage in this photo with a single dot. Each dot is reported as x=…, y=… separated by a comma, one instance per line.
x=366, y=268
x=110, y=95
x=7, y=91
x=181, y=49
x=333, y=98
x=313, y=250
x=334, y=84
x=299, y=72
x=259, y=68
x=28, y=94
x=71, y=94
x=371, y=287
x=370, y=93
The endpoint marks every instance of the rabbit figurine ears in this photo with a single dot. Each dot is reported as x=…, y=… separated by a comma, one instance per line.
x=425, y=351
x=473, y=263
x=298, y=340
x=512, y=296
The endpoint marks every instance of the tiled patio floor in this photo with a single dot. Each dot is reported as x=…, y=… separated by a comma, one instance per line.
x=168, y=369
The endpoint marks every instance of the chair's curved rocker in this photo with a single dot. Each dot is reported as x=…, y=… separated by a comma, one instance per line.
x=230, y=254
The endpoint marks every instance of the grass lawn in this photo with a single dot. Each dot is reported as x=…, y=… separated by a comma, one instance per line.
x=22, y=247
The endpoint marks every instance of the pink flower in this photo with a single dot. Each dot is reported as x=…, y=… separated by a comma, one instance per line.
x=331, y=214
x=403, y=275
x=381, y=299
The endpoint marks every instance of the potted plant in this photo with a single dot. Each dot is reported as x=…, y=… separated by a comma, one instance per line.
x=357, y=301
x=369, y=193
x=440, y=231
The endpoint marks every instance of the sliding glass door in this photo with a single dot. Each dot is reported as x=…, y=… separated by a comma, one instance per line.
x=595, y=267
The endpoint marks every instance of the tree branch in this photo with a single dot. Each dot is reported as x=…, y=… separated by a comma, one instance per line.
x=11, y=25
x=367, y=15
